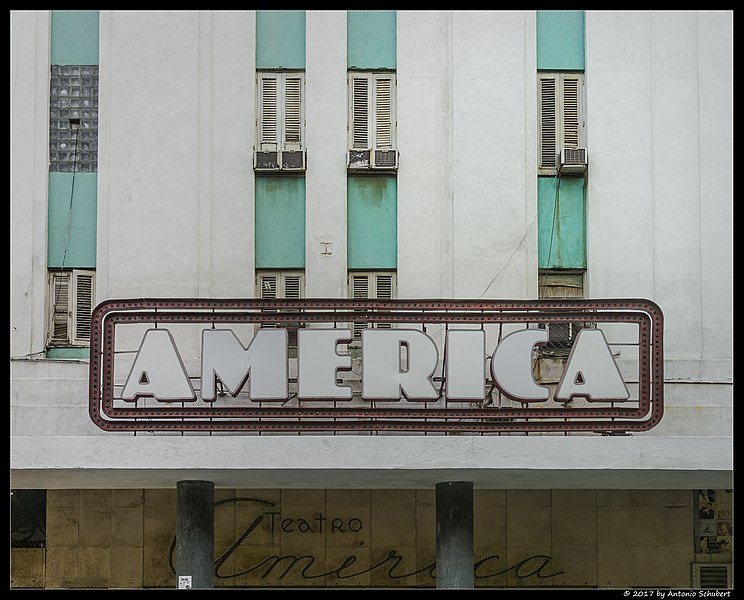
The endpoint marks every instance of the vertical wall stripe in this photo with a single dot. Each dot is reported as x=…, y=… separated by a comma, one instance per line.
x=74, y=37
x=72, y=211
x=371, y=39
x=73, y=149
x=372, y=201
x=280, y=201
x=561, y=201
x=373, y=222
x=560, y=40
x=72, y=196
x=280, y=39
x=280, y=222
x=561, y=223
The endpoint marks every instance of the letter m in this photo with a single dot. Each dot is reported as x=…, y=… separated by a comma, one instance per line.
x=265, y=361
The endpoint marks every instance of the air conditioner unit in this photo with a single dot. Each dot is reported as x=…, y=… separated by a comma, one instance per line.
x=266, y=161
x=275, y=161
x=572, y=161
x=293, y=160
x=711, y=576
x=359, y=160
x=374, y=160
x=385, y=159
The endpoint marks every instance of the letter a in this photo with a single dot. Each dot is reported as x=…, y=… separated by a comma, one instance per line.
x=158, y=371
x=591, y=371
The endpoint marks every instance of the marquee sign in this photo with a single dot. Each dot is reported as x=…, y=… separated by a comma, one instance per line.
x=375, y=365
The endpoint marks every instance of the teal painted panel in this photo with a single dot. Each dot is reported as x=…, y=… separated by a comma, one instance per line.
x=280, y=222
x=560, y=40
x=69, y=353
x=74, y=37
x=371, y=39
x=280, y=39
x=372, y=207
x=561, y=233
x=81, y=220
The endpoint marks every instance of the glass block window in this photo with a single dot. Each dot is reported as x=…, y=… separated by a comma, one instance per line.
x=73, y=118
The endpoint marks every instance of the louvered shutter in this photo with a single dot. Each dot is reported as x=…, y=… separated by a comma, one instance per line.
x=383, y=114
x=360, y=112
x=60, y=309
x=84, y=294
x=293, y=112
x=384, y=291
x=268, y=290
x=360, y=291
x=548, y=122
x=570, y=112
x=268, y=127
x=71, y=297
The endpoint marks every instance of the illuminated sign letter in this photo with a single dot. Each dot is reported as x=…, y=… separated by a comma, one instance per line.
x=158, y=370
x=466, y=367
x=265, y=359
x=511, y=366
x=591, y=371
x=319, y=363
x=384, y=376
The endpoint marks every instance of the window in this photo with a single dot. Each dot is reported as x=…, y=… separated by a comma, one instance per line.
x=27, y=518
x=281, y=285
x=71, y=296
x=281, y=122
x=561, y=118
x=372, y=121
x=556, y=285
x=371, y=285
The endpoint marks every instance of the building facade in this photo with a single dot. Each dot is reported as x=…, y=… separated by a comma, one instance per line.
x=373, y=155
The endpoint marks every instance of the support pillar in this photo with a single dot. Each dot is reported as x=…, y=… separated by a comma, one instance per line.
x=194, y=534
x=454, y=507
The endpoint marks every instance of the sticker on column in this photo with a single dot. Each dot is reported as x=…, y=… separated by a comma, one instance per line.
x=184, y=582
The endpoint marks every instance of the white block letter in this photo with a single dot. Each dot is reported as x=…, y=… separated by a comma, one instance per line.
x=158, y=371
x=591, y=371
x=319, y=362
x=382, y=375
x=511, y=366
x=466, y=364
x=265, y=359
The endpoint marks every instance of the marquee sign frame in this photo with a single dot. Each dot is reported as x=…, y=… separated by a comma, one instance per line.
x=601, y=418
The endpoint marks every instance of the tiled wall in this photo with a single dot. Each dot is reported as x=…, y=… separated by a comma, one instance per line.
x=523, y=538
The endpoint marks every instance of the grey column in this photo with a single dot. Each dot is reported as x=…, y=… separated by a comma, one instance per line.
x=454, y=500
x=195, y=533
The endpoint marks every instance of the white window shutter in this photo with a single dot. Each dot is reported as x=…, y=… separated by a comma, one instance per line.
x=268, y=113
x=570, y=115
x=383, y=121
x=268, y=285
x=293, y=111
x=71, y=297
x=371, y=285
x=84, y=298
x=548, y=122
x=360, y=112
x=60, y=326
x=292, y=287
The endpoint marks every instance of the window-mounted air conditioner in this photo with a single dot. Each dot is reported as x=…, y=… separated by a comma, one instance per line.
x=711, y=576
x=275, y=161
x=572, y=161
x=373, y=160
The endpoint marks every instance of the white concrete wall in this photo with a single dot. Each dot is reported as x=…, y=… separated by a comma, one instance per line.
x=326, y=116
x=175, y=219
x=466, y=133
x=29, y=167
x=177, y=123
x=659, y=123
